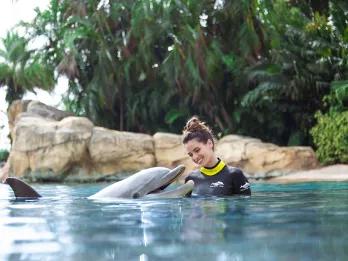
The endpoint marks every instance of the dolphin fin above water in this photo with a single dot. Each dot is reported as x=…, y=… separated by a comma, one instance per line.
x=21, y=189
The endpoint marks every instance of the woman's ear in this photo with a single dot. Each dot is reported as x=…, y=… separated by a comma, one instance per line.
x=210, y=144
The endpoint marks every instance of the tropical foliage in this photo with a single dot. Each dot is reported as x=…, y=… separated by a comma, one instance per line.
x=330, y=134
x=148, y=65
x=255, y=67
x=21, y=69
x=331, y=137
x=308, y=51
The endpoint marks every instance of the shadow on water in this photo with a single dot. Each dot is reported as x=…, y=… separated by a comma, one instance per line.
x=21, y=200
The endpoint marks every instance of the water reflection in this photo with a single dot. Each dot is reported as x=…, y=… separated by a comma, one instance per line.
x=141, y=228
x=276, y=223
x=209, y=220
x=25, y=229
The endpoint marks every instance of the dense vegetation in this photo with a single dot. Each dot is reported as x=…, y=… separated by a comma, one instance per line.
x=254, y=67
x=331, y=132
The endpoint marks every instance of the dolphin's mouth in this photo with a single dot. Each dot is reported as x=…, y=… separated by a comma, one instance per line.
x=160, y=189
x=180, y=191
x=163, y=187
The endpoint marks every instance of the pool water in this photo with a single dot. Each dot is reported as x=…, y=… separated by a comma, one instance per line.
x=278, y=222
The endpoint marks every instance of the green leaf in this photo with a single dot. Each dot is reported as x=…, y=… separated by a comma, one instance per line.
x=174, y=115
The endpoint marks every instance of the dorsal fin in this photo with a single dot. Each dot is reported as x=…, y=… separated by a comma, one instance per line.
x=21, y=189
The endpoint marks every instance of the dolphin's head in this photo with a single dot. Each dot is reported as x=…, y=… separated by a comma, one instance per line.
x=142, y=183
x=155, y=180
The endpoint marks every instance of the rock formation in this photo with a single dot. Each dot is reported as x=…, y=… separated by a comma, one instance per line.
x=58, y=145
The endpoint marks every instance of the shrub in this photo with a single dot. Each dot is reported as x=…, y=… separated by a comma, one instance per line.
x=3, y=154
x=330, y=136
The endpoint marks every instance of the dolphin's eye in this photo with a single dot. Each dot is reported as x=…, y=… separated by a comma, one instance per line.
x=136, y=195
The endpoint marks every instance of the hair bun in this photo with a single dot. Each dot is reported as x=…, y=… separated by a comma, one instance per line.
x=196, y=129
x=194, y=124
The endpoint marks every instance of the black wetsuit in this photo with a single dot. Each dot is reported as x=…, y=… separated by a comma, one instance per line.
x=220, y=180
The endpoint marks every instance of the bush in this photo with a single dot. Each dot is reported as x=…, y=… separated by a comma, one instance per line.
x=3, y=154
x=330, y=136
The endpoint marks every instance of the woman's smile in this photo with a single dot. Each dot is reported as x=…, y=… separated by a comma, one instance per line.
x=201, y=153
x=199, y=161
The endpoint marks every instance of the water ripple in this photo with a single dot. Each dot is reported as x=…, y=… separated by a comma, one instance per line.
x=278, y=222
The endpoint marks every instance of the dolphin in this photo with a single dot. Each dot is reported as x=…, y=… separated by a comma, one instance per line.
x=145, y=182
x=149, y=182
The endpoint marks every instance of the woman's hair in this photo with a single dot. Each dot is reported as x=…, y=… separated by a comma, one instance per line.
x=196, y=129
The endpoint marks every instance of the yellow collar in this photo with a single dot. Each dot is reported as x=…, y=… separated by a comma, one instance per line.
x=213, y=171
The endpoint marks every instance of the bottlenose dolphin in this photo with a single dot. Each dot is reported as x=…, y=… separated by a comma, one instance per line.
x=151, y=182
x=144, y=182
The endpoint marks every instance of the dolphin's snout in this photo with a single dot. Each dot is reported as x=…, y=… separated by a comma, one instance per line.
x=175, y=173
x=178, y=169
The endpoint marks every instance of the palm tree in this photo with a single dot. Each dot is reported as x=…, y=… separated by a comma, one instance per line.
x=21, y=69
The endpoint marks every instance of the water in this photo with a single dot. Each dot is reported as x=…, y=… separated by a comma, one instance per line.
x=278, y=222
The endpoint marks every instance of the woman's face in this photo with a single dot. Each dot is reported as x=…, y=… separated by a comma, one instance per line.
x=201, y=153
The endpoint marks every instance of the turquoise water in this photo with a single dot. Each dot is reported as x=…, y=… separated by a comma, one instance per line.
x=278, y=222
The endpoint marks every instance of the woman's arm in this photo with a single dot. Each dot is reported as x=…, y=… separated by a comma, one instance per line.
x=241, y=184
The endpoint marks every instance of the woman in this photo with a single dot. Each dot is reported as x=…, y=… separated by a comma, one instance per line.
x=214, y=177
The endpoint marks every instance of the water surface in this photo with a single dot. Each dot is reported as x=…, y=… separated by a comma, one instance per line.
x=278, y=222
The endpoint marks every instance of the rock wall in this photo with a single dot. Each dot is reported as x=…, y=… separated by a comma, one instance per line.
x=59, y=145
x=115, y=151
x=265, y=160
